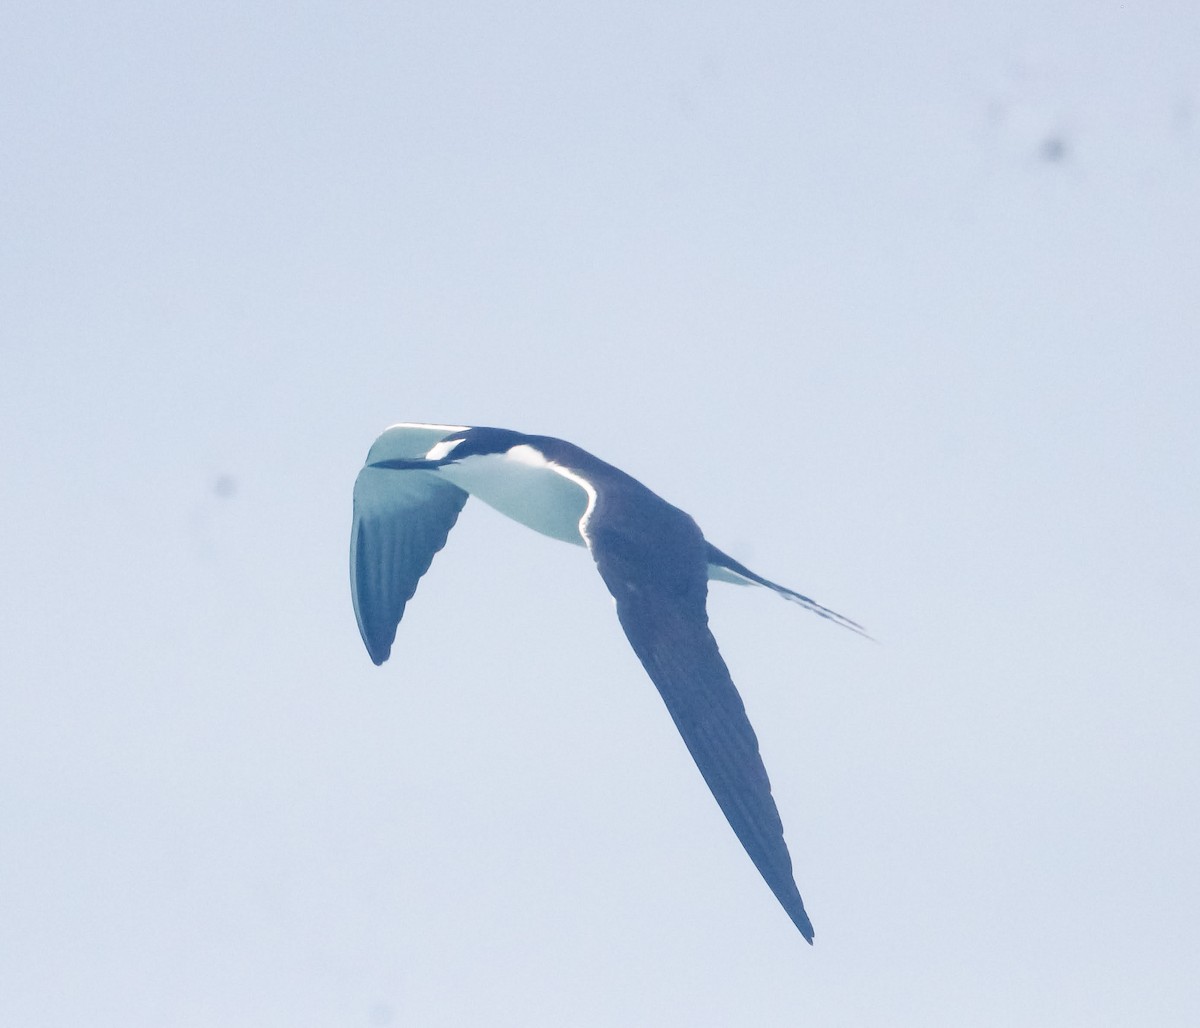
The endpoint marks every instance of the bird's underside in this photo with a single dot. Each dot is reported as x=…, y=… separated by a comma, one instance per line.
x=651, y=555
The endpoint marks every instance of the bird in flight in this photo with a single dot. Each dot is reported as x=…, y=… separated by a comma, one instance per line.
x=651, y=555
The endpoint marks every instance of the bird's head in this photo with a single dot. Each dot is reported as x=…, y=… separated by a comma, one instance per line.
x=449, y=449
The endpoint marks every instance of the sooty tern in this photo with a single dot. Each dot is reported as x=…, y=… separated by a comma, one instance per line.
x=651, y=555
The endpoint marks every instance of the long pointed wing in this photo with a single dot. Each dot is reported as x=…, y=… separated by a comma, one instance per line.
x=661, y=605
x=401, y=519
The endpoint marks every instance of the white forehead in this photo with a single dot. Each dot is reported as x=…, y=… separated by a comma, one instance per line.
x=439, y=450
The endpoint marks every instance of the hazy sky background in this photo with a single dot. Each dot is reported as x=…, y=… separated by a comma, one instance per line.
x=899, y=301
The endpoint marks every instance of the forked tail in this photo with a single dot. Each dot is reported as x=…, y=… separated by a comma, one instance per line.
x=723, y=567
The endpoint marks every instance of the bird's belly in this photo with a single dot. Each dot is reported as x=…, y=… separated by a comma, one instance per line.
x=533, y=494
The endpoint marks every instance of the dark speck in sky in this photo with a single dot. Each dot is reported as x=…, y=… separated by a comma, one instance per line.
x=1053, y=149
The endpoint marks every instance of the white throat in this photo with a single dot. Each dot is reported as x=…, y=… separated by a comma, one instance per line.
x=523, y=485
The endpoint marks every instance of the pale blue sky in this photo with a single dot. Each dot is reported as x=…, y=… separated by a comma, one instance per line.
x=898, y=300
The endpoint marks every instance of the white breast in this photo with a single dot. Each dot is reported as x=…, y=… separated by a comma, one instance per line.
x=523, y=485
